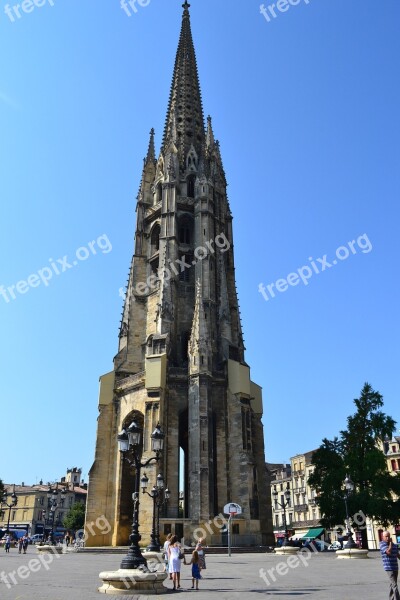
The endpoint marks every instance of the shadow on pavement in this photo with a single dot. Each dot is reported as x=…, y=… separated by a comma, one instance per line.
x=292, y=592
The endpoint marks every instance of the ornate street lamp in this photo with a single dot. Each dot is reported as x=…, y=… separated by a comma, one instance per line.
x=159, y=503
x=348, y=489
x=129, y=441
x=53, y=502
x=285, y=504
x=10, y=506
x=157, y=496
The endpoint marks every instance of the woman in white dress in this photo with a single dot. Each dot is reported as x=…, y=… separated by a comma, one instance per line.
x=174, y=553
x=166, y=556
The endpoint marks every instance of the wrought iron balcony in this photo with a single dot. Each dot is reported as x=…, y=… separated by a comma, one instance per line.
x=300, y=507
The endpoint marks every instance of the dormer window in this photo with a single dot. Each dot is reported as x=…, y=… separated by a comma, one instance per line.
x=192, y=160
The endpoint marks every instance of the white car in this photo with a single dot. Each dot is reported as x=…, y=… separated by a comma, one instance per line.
x=37, y=538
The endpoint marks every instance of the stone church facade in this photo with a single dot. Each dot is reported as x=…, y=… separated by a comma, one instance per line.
x=181, y=359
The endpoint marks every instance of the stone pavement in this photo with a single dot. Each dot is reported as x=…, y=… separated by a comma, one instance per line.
x=318, y=577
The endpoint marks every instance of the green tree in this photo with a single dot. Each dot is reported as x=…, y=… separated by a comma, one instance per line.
x=357, y=453
x=75, y=517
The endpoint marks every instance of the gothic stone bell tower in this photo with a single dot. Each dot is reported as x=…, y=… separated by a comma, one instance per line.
x=180, y=359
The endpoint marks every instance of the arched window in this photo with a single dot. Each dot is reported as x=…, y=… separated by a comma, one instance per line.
x=185, y=230
x=155, y=239
x=158, y=193
x=184, y=346
x=154, y=266
x=190, y=186
x=186, y=275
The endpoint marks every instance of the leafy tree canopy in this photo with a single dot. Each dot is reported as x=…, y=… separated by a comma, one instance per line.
x=75, y=517
x=356, y=453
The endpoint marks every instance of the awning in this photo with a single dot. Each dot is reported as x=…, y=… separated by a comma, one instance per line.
x=313, y=533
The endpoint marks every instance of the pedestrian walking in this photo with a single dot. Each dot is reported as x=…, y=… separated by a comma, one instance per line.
x=20, y=544
x=175, y=555
x=67, y=539
x=8, y=543
x=25, y=542
x=390, y=557
x=166, y=557
x=195, y=562
x=202, y=556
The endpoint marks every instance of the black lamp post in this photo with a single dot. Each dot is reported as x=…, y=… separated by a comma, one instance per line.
x=285, y=504
x=161, y=500
x=129, y=440
x=10, y=506
x=53, y=503
x=157, y=496
x=348, y=489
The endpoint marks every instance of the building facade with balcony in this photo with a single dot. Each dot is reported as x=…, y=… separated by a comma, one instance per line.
x=33, y=513
x=307, y=515
x=391, y=450
x=301, y=513
x=280, y=479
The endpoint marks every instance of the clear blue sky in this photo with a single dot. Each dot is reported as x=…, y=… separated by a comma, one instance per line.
x=306, y=107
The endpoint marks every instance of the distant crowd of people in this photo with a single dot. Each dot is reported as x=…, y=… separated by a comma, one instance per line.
x=22, y=543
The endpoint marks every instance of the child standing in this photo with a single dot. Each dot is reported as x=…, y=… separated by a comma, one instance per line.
x=195, y=562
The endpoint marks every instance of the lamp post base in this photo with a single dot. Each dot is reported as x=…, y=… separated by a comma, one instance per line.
x=352, y=553
x=134, y=559
x=46, y=548
x=289, y=550
x=126, y=582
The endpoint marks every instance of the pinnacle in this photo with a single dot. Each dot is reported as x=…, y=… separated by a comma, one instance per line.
x=151, y=152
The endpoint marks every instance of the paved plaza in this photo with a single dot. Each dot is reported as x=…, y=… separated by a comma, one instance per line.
x=319, y=577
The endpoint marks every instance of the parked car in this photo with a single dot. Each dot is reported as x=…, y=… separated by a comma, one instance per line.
x=37, y=538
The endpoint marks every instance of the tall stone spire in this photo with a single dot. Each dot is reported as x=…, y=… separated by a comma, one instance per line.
x=185, y=103
x=180, y=359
